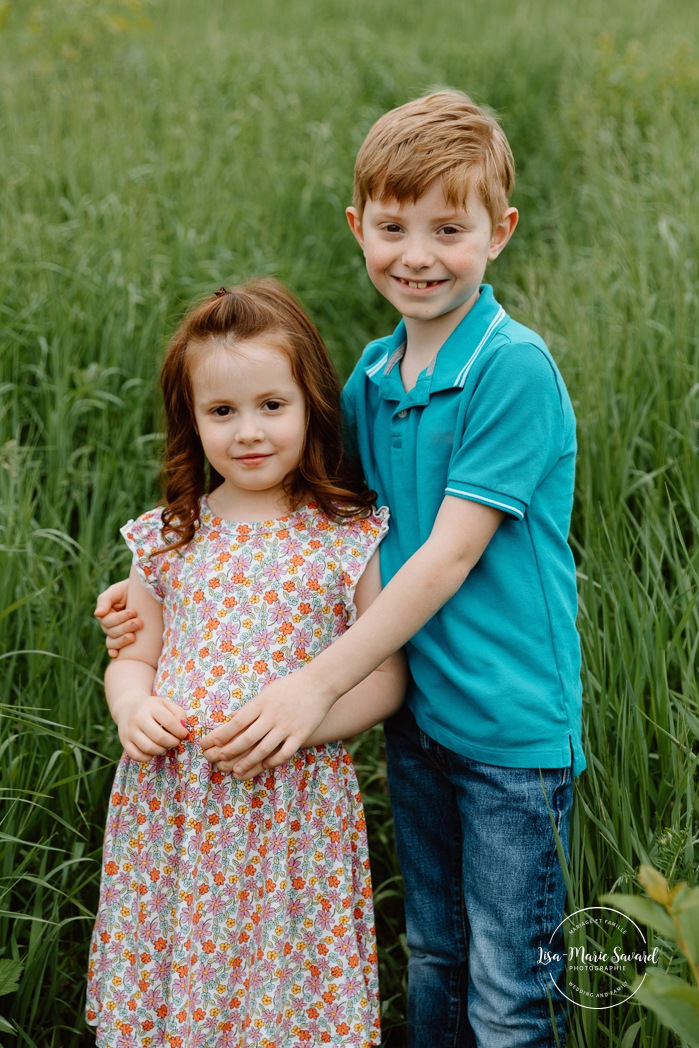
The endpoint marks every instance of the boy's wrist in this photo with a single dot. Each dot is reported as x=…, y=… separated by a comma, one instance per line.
x=319, y=678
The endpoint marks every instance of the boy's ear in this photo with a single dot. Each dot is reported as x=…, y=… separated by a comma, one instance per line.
x=355, y=224
x=503, y=231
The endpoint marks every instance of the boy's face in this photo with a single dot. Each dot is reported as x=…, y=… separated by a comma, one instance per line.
x=428, y=258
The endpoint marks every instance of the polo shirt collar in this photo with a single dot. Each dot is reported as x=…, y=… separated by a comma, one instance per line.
x=450, y=368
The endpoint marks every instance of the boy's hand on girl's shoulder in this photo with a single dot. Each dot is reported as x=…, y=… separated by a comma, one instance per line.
x=149, y=725
x=269, y=729
x=119, y=623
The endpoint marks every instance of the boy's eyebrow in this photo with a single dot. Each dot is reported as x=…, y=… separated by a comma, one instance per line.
x=385, y=211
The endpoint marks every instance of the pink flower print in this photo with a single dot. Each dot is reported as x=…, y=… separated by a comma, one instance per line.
x=345, y=945
x=161, y=969
x=314, y=570
x=265, y=640
x=180, y=988
x=334, y=1012
x=325, y=920
x=245, y=909
x=111, y=895
x=200, y=571
x=274, y=571
x=278, y=844
x=267, y=912
x=153, y=998
x=313, y=985
x=210, y=862
x=286, y=1023
x=257, y=587
x=206, y=972
x=296, y=908
x=196, y=678
x=150, y=929
x=305, y=841
x=301, y=637
x=239, y=564
x=216, y=905
x=333, y=852
x=279, y=613
x=207, y=610
x=153, y=830
x=234, y=678
x=217, y=701
x=226, y=836
x=102, y=963
x=245, y=609
x=228, y=633
x=258, y=541
x=290, y=547
x=195, y=637
x=295, y=867
x=158, y=899
x=239, y=821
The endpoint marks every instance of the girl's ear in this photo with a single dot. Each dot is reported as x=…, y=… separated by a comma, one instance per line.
x=355, y=224
x=502, y=232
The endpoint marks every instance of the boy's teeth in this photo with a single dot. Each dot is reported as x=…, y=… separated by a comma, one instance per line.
x=418, y=283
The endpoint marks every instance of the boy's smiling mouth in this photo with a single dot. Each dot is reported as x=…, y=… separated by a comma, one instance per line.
x=418, y=285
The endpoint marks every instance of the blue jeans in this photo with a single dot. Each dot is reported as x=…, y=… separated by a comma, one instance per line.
x=484, y=890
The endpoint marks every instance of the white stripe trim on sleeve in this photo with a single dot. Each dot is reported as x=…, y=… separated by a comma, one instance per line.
x=482, y=498
x=495, y=323
x=375, y=368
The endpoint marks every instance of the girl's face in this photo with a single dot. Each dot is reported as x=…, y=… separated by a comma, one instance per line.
x=250, y=414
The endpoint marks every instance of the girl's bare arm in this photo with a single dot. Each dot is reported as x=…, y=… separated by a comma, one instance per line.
x=148, y=724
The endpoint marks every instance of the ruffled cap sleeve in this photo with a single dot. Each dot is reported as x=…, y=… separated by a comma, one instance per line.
x=362, y=537
x=143, y=536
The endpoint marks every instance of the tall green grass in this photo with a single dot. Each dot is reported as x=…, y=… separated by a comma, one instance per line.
x=151, y=150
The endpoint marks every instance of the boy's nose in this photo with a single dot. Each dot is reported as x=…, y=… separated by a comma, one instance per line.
x=417, y=254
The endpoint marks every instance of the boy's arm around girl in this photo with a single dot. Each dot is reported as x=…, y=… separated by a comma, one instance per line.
x=285, y=714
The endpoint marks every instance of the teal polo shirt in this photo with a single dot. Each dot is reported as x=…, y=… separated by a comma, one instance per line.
x=496, y=672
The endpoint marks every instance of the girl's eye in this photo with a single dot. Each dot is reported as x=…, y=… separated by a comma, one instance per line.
x=222, y=412
x=273, y=405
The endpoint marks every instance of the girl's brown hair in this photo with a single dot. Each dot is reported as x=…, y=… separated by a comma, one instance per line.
x=325, y=473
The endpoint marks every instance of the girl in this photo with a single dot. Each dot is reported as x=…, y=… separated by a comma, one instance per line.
x=233, y=913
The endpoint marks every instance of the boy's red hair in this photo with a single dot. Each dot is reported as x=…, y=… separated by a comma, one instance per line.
x=325, y=474
x=446, y=136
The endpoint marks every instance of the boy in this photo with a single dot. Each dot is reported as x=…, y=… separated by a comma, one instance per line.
x=465, y=429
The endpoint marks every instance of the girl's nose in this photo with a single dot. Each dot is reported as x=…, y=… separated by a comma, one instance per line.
x=248, y=430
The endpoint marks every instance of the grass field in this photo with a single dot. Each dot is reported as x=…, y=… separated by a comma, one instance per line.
x=155, y=149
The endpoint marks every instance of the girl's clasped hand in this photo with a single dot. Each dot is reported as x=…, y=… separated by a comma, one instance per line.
x=234, y=908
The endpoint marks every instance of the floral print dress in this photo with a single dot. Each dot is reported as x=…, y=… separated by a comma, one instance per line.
x=239, y=914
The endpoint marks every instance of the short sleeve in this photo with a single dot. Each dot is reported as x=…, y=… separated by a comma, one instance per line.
x=515, y=431
x=143, y=537
x=360, y=538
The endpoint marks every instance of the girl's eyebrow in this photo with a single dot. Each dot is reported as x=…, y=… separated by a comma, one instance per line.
x=273, y=394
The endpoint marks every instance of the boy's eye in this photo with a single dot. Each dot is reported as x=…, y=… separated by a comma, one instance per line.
x=449, y=230
x=392, y=227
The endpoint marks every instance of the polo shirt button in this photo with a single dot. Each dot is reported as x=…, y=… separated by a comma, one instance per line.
x=402, y=414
